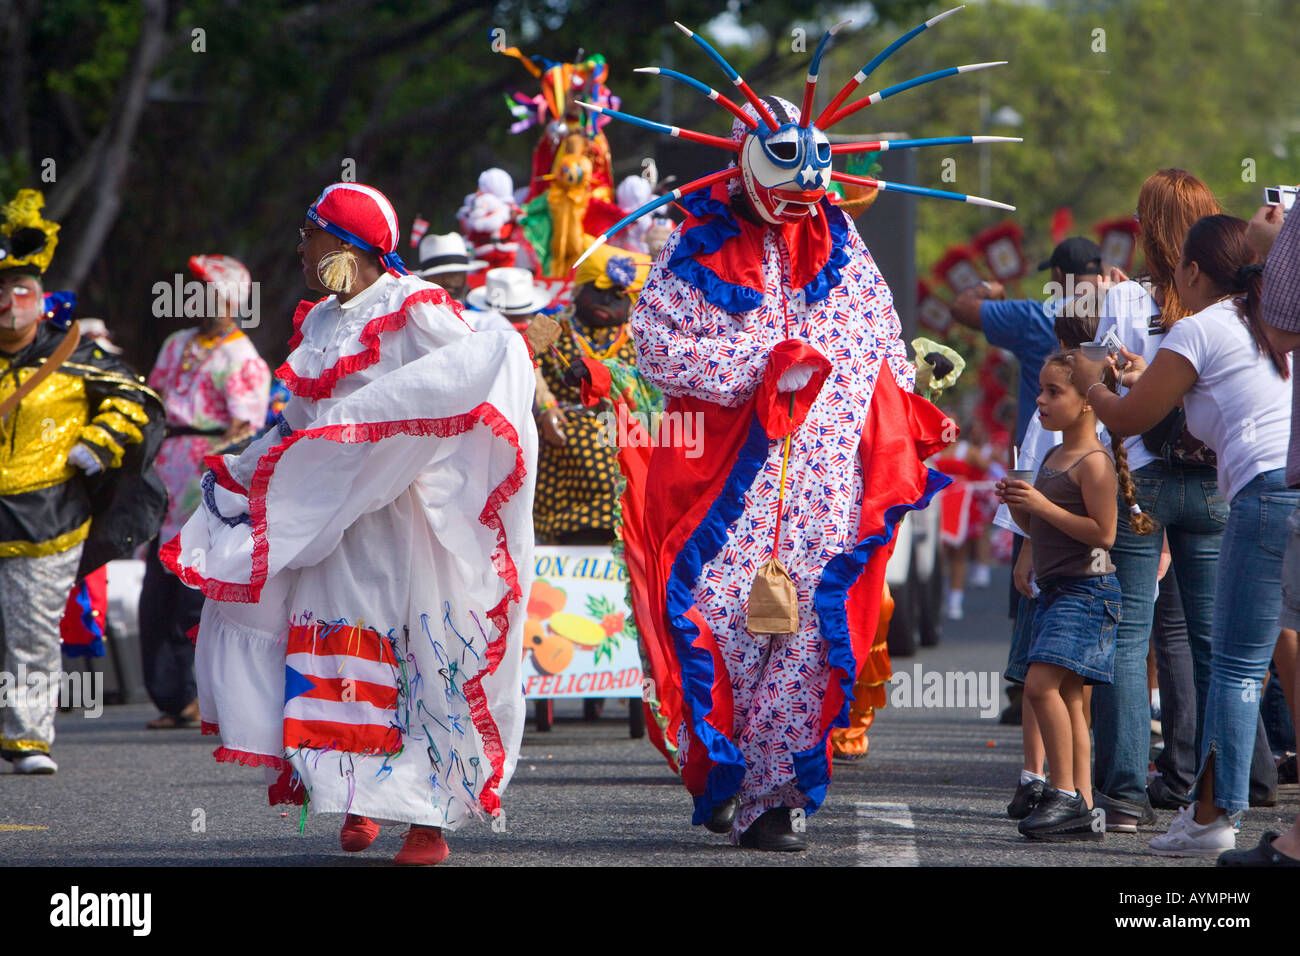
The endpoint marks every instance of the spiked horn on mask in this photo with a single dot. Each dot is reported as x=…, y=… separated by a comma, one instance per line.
x=783, y=158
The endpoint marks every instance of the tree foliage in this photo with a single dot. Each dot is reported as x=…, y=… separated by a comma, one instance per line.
x=254, y=105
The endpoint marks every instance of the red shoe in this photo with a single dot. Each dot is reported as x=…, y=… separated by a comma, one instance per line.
x=357, y=833
x=424, y=846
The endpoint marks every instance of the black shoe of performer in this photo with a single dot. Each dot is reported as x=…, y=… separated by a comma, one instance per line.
x=773, y=831
x=723, y=817
x=1026, y=798
x=1058, y=818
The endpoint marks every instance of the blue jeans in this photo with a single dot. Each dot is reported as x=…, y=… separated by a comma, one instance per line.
x=1021, y=637
x=1187, y=506
x=1177, y=761
x=1247, y=601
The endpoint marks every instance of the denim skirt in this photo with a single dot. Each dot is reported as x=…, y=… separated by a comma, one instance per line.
x=1075, y=624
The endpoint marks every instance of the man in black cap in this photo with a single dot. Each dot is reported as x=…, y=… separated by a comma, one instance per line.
x=1027, y=327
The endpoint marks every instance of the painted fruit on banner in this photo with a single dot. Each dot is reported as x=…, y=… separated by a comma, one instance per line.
x=579, y=639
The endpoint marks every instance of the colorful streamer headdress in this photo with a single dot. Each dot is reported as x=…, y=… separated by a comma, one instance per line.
x=782, y=157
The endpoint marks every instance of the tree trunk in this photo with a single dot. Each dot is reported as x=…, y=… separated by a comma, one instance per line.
x=15, y=22
x=105, y=195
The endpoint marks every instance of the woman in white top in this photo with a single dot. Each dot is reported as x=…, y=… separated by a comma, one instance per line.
x=1217, y=362
x=1181, y=498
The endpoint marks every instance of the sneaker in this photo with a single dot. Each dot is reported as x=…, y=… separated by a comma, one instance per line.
x=35, y=764
x=1194, y=839
x=424, y=846
x=1164, y=797
x=954, y=606
x=357, y=833
x=1262, y=855
x=1027, y=797
x=980, y=576
x=1058, y=818
x=1184, y=816
x=1124, y=816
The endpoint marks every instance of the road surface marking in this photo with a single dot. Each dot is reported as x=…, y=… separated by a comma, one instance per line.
x=17, y=827
x=886, y=835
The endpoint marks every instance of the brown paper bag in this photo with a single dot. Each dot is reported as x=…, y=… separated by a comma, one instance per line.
x=773, y=601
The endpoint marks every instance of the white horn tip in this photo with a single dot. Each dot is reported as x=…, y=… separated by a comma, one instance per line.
x=943, y=16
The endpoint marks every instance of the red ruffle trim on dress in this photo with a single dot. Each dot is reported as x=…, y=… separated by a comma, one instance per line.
x=217, y=465
x=299, y=315
x=227, y=755
x=322, y=386
x=489, y=516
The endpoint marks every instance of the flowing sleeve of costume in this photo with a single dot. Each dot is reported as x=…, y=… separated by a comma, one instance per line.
x=126, y=428
x=388, y=510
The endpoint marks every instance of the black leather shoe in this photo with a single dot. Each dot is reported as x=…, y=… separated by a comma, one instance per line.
x=1165, y=797
x=1124, y=816
x=772, y=831
x=1262, y=855
x=723, y=817
x=1058, y=818
x=1026, y=798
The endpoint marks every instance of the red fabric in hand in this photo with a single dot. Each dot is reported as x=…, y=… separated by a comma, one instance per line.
x=773, y=407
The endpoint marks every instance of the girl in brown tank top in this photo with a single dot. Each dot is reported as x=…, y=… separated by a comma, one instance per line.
x=1070, y=515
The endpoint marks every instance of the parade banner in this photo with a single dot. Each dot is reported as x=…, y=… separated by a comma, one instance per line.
x=932, y=310
x=1000, y=246
x=958, y=269
x=579, y=639
x=1118, y=241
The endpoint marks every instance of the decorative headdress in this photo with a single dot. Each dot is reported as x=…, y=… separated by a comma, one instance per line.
x=611, y=267
x=363, y=217
x=230, y=276
x=559, y=83
x=27, y=240
x=782, y=157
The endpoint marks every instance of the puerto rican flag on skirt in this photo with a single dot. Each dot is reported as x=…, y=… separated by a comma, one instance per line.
x=341, y=690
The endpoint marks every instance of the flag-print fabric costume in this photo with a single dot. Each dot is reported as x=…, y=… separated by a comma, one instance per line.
x=364, y=564
x=765, y=315
x=729, y=307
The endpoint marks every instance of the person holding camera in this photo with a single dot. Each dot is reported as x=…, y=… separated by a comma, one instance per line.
x=1218, y=365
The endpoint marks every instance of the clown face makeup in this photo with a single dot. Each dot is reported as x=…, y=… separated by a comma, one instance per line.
x=785, y=172
x=21, y=302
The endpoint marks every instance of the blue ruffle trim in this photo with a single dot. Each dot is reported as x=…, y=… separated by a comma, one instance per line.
x=812, y=768
x=696, y=662
x=720, y=225
x=209, y=485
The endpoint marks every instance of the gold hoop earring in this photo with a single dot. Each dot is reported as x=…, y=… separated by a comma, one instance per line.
x=337, y=270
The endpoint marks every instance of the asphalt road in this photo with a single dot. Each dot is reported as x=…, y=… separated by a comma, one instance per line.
x=931, y=792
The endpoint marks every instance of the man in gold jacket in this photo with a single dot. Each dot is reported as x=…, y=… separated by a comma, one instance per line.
x=62, y=448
